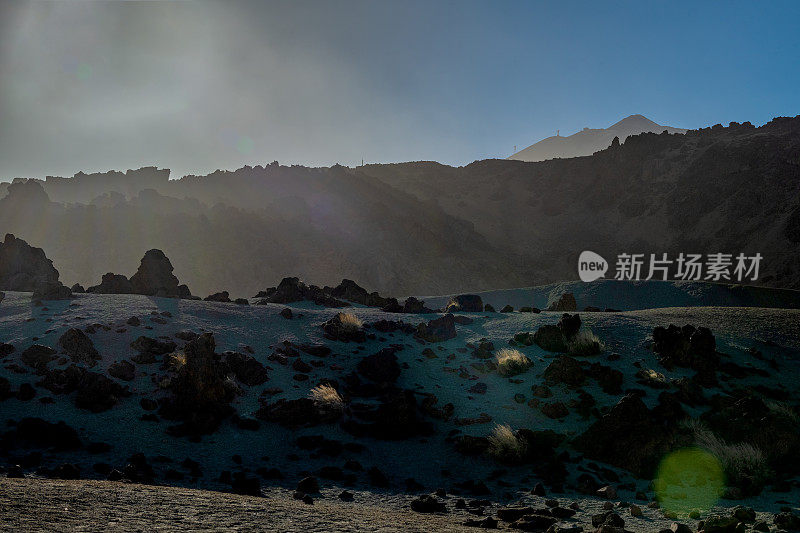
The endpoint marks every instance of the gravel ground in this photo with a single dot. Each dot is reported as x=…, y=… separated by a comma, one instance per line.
x=51, y=505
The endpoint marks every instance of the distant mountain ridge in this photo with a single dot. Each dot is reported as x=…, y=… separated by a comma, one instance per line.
x=589, y=140
x=427, y=228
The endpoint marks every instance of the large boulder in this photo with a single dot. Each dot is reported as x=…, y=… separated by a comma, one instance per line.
x=94, y=392
x=630, y=436
x=439, y=329
x=246, y=368
x=381, y=367
x=23, y=267
x=79, y=347
x=51, y=290
x=565, y=369
x=470, y=303
x=201, y=394
x=566, y=302
x=155, y=277
x=687, y=347
x=112, y=284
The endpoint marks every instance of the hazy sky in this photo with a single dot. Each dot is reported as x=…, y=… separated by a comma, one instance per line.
x=196, y=86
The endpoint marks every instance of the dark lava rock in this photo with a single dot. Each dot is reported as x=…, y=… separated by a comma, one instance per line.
x=51, y=290
x=201, y=394
x=438, y=330
x=25, y=393
x=565, y=369
x=566, y=302
x=78, y=288
x=112, y=284
x=154, y=277
x=381, y=367
x=469, y=303
x=79, y=347
x=150, y=346
x=349, y=290
x=246, y=368
x=38, y=356
x=293, y=290
x=223, y=297
x=123, y=370
x=428, y=504
x=629, y=436
x=550, y=338
x=23, y=267
x=687, y=347
x=286, y=313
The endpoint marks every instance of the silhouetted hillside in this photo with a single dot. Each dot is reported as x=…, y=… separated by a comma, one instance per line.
x=428, y=228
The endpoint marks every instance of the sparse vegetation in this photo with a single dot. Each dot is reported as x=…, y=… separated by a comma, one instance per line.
x=585, y=342
x=511, y=362
x=745, y=466
x=326, y=397
x=350, y=322
x=175, y=361
x=785, y=411
x=505, y=446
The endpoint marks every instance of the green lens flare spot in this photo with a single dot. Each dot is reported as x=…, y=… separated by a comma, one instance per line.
x=690, y=479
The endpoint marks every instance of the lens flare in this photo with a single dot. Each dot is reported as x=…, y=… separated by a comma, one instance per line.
x=689, y=479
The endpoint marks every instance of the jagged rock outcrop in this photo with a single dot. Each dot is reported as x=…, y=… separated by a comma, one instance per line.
x=22, y=266
x=294, y=290
x=25, y=268
x=112, y=284
x=155, y=277
x=349, y=290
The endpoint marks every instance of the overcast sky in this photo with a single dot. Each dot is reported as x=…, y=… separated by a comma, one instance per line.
x=196, y=86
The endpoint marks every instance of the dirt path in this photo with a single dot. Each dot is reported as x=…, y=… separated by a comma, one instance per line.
x=50, y=505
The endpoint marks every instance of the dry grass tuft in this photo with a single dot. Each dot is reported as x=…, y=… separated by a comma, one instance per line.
x=511, y=362
x=325, y=396
x=505, y=446
x=585, y=342
x=745, y=465
x=349, y=321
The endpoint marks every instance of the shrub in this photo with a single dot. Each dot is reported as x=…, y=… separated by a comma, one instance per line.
x=585, y=342
x=784, y=411
x=350, y=322
x=745, y=465
x=326, y=397
x=505, y=446
x=511, y=362
x=175, y=361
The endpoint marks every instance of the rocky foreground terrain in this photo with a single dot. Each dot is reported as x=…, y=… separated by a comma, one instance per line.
x=332, y=408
